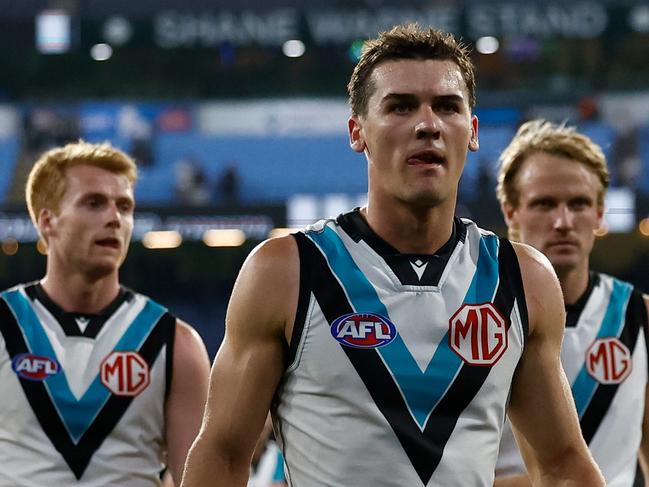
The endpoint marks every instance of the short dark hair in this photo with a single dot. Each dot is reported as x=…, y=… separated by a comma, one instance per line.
x=407, y=41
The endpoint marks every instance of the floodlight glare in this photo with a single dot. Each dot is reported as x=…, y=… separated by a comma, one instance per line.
x=487, y=45
x=224, y=237
x=293, y=48
x=117, y=31
x=53, y=32
x=163, y=239
x=101, y=52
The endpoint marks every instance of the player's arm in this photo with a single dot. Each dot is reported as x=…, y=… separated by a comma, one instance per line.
x=248, y=366
x=643, y=454
x=513, y=481
x=186, y=400
x=541, y=409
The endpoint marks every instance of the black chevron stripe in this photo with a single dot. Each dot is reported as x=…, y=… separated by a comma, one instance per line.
x=368, y=364
x=303, y=301
x=77, y=456
x=511, y=283
x=635, y=318
x=425, y=450
x=470, y=379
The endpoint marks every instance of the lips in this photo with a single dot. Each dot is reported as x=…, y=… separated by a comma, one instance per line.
x=109, y=242
x=426, y=157
x=563, y=243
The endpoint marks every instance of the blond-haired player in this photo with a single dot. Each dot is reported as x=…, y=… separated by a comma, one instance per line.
x=551, y=186
x=100, y=385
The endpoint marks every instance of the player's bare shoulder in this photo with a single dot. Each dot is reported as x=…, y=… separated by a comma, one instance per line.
x=536, y=269
x=188, y=343
x=532, y=260
x=274, y=259
x=267, y=288
x=542, y=289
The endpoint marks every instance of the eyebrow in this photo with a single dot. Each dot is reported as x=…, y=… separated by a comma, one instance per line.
x=96, y=194
x=411, y=97
x=93, y=194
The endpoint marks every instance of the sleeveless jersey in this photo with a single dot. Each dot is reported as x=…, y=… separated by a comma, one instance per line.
x=269, y=472
x=82, y=395
x=604, y=355
x=399, y=365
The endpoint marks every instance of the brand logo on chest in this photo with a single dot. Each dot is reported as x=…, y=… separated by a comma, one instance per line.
x=34, y=367
x=363, y=330
x=608, y=361
x=125, y=373
x=478, y=334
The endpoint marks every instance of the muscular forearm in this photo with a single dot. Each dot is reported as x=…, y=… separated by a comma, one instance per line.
x=513, y=481
x=206, y=467
x=571, y=471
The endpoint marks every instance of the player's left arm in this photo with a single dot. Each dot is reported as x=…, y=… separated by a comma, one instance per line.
x=541, y=408
x=643, y=453
x=186, y=400
x=513, y=481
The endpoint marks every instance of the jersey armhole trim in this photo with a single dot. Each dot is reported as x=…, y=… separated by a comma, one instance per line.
x=304, y=298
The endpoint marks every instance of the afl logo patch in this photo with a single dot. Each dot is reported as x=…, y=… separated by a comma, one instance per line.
x=363, y=330
x=34, y=367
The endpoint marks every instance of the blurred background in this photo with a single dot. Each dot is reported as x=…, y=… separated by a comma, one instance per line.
x=236, y=114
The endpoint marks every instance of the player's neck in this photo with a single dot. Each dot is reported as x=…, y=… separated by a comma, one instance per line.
x=76, y=293
x=410, y=230
x=574, y=282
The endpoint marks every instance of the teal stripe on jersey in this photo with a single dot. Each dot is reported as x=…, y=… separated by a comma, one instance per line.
x=77, y=415
x=278, y=475
x=584, y=385
x=421, y=390
x=486, y=278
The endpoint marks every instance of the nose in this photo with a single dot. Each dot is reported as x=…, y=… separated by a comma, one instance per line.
x=114, y=215
x=564, y=218
x=427, y=124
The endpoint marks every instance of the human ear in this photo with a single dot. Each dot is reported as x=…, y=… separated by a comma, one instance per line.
x=509, y=213
x=356, y=138
x=46, y=222
x=474, y=145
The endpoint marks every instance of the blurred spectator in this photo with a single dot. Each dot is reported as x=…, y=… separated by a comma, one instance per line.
x=228, y=188
x=626, y=158
x=191, y=183
x=47, y=127
x=136, y=128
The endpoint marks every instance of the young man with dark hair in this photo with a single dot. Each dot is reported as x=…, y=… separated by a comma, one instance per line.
x=386, y=341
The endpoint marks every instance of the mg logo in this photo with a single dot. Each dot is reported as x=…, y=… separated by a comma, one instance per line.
x=608, y=361
x=478, y=334
x=125, y=373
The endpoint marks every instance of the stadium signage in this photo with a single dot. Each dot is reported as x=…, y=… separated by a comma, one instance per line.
x=19, y=227
x=586, y=19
